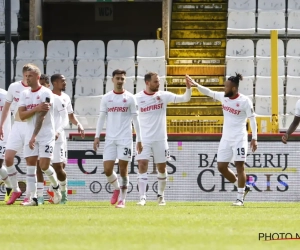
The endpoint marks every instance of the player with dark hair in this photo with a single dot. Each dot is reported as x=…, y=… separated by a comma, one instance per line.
x=234, y=142
x=44, y=80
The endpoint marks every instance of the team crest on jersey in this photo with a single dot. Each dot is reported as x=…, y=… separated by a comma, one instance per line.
x=237, y=104
x=158, y=98
x=124, y=100
x=37, y=97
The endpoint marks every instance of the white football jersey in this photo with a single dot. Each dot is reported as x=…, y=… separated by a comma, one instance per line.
x=13, y=95
x=7, y=123
x=152, y=114
x=31, y=99
x=67, y=101
x=297, y=108
x=119, y=109
x=59, y=112
x=235, y=111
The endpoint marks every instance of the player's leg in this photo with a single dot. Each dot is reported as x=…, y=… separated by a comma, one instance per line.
x=5, y=179
x=240, y=154
x=161, y=155
x=45, y=154
x=109, y=157
x=40, y=184
x=143, y=160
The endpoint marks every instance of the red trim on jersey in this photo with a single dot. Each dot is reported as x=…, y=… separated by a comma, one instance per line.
x=56, y=94
x=24, y=84
x=37, y=89
x=232, y=98
x=148, y=93
x=119, y=93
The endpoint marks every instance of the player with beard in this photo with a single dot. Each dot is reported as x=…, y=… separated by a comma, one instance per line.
x=152, y=104
x=234, y=142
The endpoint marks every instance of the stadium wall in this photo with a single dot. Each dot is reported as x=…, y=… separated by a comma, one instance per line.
x=272, y=171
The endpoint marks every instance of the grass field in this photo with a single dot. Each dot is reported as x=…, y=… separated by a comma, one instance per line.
x=186, y=225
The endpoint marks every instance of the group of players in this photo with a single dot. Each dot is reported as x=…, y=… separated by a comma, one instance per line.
x=40, y=116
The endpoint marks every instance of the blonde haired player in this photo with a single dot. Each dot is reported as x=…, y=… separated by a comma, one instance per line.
x=237, y=108
x=152, y=104
x=118, y=107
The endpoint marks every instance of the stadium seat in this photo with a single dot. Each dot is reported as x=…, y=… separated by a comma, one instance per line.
x=150, y=49
x=2, y=50
x=273, y=5
x=69, y=88
x=91, y=68
x=2, y=70
x=285, y=121
x=244, y=67
x=293, y=86
x=90, y=49
x=263, y=86
x=241, y=23
x=263, y=68
x=117, y=49
x=60, y=49
x=291, y=101
x=88, y=86
x=15, y=6
x=263, y=49
x=293, y=5
x=2, y=83
x=263, y=105
x=246, y=86
x=21, y=63
x=268, y=21
x=87, y=110
x=236, y=5
x=239, y=49
x=14, y=23
x=293, y=68
x=154, y=65
x=126, y=64
x=293, y=27
x=32, y=49
x=140, y=84
x=129, y=85
x=59, y=66
x=293, y=49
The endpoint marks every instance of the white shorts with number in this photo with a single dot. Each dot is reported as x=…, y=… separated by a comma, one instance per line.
x=59, y=152
x=159, y=150
x=16, y=138
x=232, y=150
x=118, y=149
x=41, y=149
x=2, y=149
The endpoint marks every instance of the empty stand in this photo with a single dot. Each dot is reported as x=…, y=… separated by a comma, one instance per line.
x=14, y=23
x=69, y=88
x=293, y=86
x=59, y=66
x=293, y=27
x=241, y=23
x=239, y=49
x=87, y=86
x=60, y=49
x=263, y=105
x=291, y=101
x=263, y=68
x=154, y=65
x=2, y=50
x=268, y=21
x=126, y=64
x=117, y=49
x=21, y=63
x=2, y=70
x=263, y=49
x=263, y=86
x=293, y=49
x=246, y=86
x=29, y=50
x=90, y=49
x=237, y=5
x=273, y=5
x=285, y=121
x=153, y=49
x=293, y=5
x=244, y=67
x=91, y=68
x=293, y=67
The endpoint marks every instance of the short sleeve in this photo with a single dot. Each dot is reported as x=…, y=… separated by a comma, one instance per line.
x=249, y=108
x=21, y=102
x=297, y=108
x=133, y=106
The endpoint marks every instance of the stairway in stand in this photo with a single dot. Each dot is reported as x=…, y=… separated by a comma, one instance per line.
x=197, y=48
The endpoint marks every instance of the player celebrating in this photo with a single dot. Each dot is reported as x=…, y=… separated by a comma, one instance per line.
x=152, y=105
x=234, y=142
x=119, y=108
x=40, y=134
x=6, y=130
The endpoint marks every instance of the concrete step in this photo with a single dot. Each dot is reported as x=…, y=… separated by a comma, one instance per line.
x=191, y=25
x=200, y=7
x=194, y=111
x=196, y=53
x=203, y=80
x=195, y=92
x=198, y=34
x=198, y=43
x=207, y=70
x=198, y=61
x=198, y=101
x=204, y=16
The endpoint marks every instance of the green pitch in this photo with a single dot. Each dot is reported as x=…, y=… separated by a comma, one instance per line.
x=185, y=225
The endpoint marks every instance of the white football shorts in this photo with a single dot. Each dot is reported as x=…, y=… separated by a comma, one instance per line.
x=41, y=149
x=229, y=151
x=16, y=138
x=118, y=149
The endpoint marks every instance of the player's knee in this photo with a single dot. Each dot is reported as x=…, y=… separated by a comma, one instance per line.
x=143, y=166
x=162, y=175
x=142, y=176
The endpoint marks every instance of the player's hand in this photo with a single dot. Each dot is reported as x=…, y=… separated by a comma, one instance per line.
x=285, y=138
x=80, y=130
x=253, y=145
x=32, y=143
x=42, y=107
x=1, y=134
x=96, y=144
x=139, y=147
x=56, y=136
x=189, y=81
